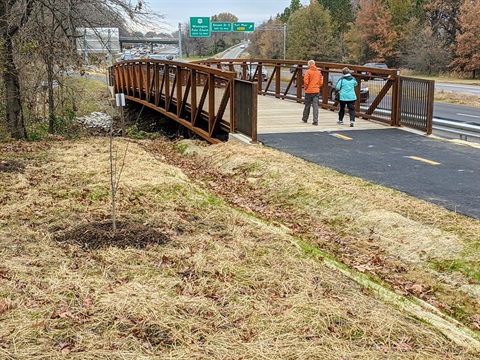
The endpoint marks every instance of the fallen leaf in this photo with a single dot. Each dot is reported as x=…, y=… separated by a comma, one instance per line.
x=416, y=288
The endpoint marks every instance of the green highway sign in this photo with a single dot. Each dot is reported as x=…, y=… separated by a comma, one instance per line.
x=199, y=26
x=221, y=26
x=243, y=26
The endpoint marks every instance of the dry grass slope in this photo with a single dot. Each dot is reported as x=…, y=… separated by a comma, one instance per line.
x=248, y=271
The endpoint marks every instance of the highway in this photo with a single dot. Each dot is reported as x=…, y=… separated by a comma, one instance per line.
x=445, y=111
x=454, y=112
x=458, y=88
x=233, y=52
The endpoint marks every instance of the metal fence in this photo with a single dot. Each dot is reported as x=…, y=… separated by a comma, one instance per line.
x=416, y=103
x=246, y=109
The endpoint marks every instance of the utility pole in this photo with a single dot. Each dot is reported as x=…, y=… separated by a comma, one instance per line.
x=180, y=41
x=284, y=40
x=85, y=44
x=109, y=46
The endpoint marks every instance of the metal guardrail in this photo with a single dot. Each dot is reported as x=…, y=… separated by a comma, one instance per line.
x=462, y=129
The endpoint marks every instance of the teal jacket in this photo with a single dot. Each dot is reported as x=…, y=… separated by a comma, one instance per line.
x=346, y=86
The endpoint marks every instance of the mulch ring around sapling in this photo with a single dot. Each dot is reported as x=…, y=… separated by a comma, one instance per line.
x=11, y=166
x=100, y=234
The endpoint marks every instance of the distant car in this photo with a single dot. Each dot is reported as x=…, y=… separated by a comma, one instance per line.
x=332, y=81
x=126, y=56
x=252, y=72
x=373, y=74
x=156, y=57
x=295, y=67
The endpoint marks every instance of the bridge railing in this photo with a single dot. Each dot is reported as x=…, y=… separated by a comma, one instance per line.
x=201, y=95
x=416, y=103
x=383, y=95
x=198, y=97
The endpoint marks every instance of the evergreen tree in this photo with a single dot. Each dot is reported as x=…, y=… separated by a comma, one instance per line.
x=294, y=6
x=341, y=12
x=311, y=35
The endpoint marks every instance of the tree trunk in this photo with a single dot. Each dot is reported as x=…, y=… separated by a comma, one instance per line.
x=51, y=105
x=14, y=113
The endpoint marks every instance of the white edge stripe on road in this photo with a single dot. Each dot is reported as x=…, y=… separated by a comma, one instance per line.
x=468, y=115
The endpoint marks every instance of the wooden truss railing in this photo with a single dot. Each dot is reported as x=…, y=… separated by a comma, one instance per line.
x=198, y=97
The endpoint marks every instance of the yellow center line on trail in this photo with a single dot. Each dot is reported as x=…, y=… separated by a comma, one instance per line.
x=341, y=136
x=424, y=160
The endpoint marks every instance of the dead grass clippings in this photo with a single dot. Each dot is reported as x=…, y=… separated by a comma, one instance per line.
x=457, y=98
x=229, y=282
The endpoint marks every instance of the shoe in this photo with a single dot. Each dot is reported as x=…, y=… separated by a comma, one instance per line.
x=304, y=121
x=340, y=122
x=351, y=124
x=315, y=123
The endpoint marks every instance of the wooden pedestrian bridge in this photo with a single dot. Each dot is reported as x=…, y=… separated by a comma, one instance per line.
x=219, y=97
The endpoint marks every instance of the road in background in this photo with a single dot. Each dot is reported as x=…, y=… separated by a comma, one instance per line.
x=463, y=113
x=454, y=112
x=233, y=52
x=459, y=88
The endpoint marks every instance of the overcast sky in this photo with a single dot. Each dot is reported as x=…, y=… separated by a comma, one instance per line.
x=180, y=11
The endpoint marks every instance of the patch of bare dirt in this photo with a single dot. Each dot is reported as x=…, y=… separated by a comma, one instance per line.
x=11, y=166
x=100, y=234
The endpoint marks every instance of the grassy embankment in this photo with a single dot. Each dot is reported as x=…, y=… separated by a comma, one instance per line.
x=259, y=262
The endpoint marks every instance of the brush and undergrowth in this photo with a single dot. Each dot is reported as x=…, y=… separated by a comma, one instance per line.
x=224, y=252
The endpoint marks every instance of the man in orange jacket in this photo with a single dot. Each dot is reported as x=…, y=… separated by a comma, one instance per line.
x=312, y=82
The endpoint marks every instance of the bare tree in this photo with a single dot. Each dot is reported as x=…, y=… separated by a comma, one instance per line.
x=13, y=15
x=53, y=24
x=426, y=54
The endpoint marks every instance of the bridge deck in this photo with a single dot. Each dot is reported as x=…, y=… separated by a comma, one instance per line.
x=285, y=116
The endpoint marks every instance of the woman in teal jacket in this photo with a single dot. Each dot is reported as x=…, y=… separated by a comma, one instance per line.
x=346, y=88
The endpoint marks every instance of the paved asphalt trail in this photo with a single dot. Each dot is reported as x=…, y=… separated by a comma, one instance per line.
x=434, y=170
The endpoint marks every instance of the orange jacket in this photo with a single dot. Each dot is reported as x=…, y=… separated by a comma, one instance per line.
x=313, y=80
